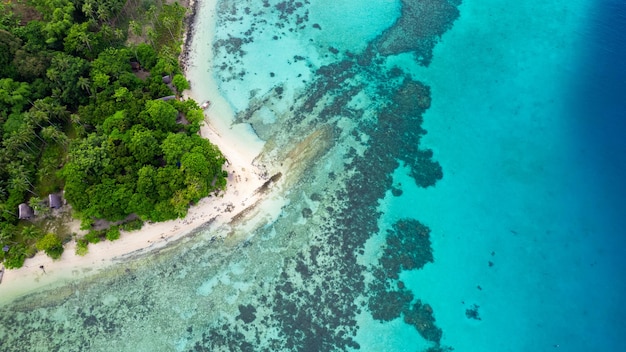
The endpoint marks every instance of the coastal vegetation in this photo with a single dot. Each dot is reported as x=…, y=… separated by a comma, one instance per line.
x=91, y=110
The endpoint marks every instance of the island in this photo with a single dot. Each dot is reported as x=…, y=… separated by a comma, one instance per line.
x=102, y=141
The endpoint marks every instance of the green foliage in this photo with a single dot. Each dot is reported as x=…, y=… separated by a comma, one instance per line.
x=8, y=20
x=31, y=233
x=32, y=36
x=102, y=11
x=81, y=41
x=146, y=55
x=132, y=225
x=9, y=44
x=143, y=145
x=47, y=179
x=112, y=62
x=93, y=237
x=156, y=87
x=15, y=256
x=14, y=95
x=86, y=223
x=74, y=117
x=59, y=18
x=113, y=233
x=159, y=115
x=65, y=71
x=174, y=146
x=167, y=25
x=31, y=65
x=166, y=64
x=82, y=247
x=180, y=82
x=52, y=245
x=117, y=121
x=111, y=179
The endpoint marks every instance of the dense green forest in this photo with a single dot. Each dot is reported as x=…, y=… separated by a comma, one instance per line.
x=87, y=111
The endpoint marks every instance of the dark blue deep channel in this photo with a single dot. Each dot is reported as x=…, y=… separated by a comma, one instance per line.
x=601, y=116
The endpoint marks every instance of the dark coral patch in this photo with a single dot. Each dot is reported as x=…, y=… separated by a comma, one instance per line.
x=388, y=305
x=247, y=313
x=418, y=29
x=421, y=317
x=472, y=313
x=407, y=247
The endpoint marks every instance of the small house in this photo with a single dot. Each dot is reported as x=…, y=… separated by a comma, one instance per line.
x=167, y=79
x=25, y=212
x=54, y=201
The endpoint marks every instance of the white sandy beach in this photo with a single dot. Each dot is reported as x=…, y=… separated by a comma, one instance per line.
x=237, y=143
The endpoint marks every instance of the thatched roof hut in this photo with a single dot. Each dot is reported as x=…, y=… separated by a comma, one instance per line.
x=25, y=212
x=54, y=201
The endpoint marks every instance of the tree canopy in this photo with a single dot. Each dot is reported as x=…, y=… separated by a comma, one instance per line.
x=74, y=116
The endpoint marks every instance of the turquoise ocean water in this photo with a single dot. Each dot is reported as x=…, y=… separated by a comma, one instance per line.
x=451, y=179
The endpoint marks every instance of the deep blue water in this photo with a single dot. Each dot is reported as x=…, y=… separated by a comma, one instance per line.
x=600, y=115
x=535, y=157
x=600, y=103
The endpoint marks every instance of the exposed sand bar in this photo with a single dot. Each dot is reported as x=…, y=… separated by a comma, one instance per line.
x=238, y=143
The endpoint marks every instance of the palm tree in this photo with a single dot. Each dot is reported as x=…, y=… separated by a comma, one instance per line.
x=29, y=127
x=53, y=74
x=51, y=133
x=35, y=116
x=18, y=253
x=18, y=183
x=152, y=36
x=56, y=93
x=51, y=109
x=169, y=58
x=85, y=84
x=31, y=232
x=24, y=138
x=84, y=38
x=88, y=10
x=19, y=178
x=103, y=13
x=5, y=236
x=35, y=203
x=78, y=125
x=4, y=209
x=10, y=145
x=119, y=34
x=169, y=23
x=135, y=28
x=62, y=62
x=106, y=32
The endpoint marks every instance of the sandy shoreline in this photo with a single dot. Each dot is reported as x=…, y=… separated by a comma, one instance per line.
x=238, y=145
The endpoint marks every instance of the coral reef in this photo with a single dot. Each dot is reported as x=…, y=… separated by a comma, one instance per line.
x=419, y=28
x=421, y=317
x=308, y=284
